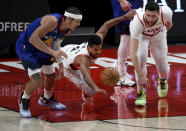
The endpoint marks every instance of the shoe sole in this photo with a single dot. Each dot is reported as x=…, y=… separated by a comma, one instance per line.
x=40, y=103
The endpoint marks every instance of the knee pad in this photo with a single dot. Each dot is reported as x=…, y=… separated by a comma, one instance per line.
x=37, y=78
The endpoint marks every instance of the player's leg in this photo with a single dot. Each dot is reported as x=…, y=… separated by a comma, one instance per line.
x=35, y=81
x=76, y=77
x=47, y=98
x=142, y=57
x=159, y=52
x=123, y=53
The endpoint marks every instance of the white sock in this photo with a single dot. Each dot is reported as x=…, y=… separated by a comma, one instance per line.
x=48, y=94
x=121, y=67
x=25, y=96
x=123, y=53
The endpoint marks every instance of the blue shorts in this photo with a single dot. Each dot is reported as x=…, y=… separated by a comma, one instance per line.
x=31, y=57
x=123, y=27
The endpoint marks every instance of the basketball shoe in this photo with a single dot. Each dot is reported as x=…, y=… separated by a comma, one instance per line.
x=141, y=98
x=52, y=102
x=87, y=98
x=126, y=80
x=162, y=87
x=24, y=107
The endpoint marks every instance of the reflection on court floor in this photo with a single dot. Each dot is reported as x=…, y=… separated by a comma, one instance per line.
x=117, y=104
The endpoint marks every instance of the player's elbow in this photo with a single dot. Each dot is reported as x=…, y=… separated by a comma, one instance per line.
x=32, y=38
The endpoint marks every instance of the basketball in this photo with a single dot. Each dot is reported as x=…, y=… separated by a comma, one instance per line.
x=109, y=76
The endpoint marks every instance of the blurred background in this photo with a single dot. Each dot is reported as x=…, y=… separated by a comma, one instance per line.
x=16, y=15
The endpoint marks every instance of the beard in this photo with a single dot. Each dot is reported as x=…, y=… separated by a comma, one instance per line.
x=66, y=31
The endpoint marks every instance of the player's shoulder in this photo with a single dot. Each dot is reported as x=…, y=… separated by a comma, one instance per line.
x=52, y=17
x=139, y=15
x=166, y=9
x=139, y=10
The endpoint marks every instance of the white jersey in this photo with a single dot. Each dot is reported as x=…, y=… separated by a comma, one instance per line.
x=74, y=50
x=139, y=26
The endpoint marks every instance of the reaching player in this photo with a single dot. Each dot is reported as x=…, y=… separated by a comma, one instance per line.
x=148, y=31
x=80, y=57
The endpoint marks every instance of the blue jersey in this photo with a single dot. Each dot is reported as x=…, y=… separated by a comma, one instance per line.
x=27, y=51
x=123, y=27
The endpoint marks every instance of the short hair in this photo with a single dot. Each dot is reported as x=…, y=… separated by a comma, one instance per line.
x=94, y=40
x=152, y=6
x=73, y=10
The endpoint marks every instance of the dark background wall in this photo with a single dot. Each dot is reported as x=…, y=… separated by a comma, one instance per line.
x=96, y=12
x=15, y=16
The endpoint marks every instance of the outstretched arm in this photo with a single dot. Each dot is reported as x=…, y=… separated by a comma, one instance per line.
x=85, y=63
x=112, y=22
x=142, y=80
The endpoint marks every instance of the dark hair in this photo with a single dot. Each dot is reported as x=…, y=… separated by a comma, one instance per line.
x=94, y=40
x=152, y=6
x=74, y=10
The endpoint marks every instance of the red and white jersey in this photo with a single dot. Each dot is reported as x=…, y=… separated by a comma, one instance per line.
x=73, y=51
x=139, y=26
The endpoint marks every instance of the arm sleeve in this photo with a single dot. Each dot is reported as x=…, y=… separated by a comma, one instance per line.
x=136, y=27
x=167, y=14
x=56, y=46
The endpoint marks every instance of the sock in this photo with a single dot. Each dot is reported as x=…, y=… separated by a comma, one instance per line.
x=121, y=67
x=25, y=96
x=123, y=53
x=48, y=94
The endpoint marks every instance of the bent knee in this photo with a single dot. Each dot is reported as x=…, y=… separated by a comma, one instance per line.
x=50, y=76
x=89, y=91
x=37, y=79
x=164, y=68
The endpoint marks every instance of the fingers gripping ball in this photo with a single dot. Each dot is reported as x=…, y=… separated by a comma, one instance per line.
x=109, y=76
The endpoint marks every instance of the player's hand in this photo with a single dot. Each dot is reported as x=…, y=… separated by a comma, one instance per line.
x=60, y=54
x=100, y=90
x=130, y=14
x=125, y=5
x=144, y=82
x=61, y=72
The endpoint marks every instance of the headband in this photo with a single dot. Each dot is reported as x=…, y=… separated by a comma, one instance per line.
x=75, y=16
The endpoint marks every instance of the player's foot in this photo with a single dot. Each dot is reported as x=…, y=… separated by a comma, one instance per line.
x=125, y=81
x=52, y=102
x=87, y=98
x=162, y=88
x=141, y=98
x=24, y=107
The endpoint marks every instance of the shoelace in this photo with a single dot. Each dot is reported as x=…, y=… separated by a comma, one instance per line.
x=139, y=95
x=25, y=103
x=162, y=84
x=53, y=99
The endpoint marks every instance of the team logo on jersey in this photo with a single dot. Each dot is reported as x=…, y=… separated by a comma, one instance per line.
x=48, y=41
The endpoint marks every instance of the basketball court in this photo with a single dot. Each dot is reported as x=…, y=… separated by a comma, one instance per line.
x=114, y=111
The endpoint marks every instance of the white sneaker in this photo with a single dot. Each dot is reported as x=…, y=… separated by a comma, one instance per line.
x=128, y=76
x=125, y=81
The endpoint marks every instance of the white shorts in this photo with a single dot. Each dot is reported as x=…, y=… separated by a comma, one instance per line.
x=76, y=77
x=46, y=69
